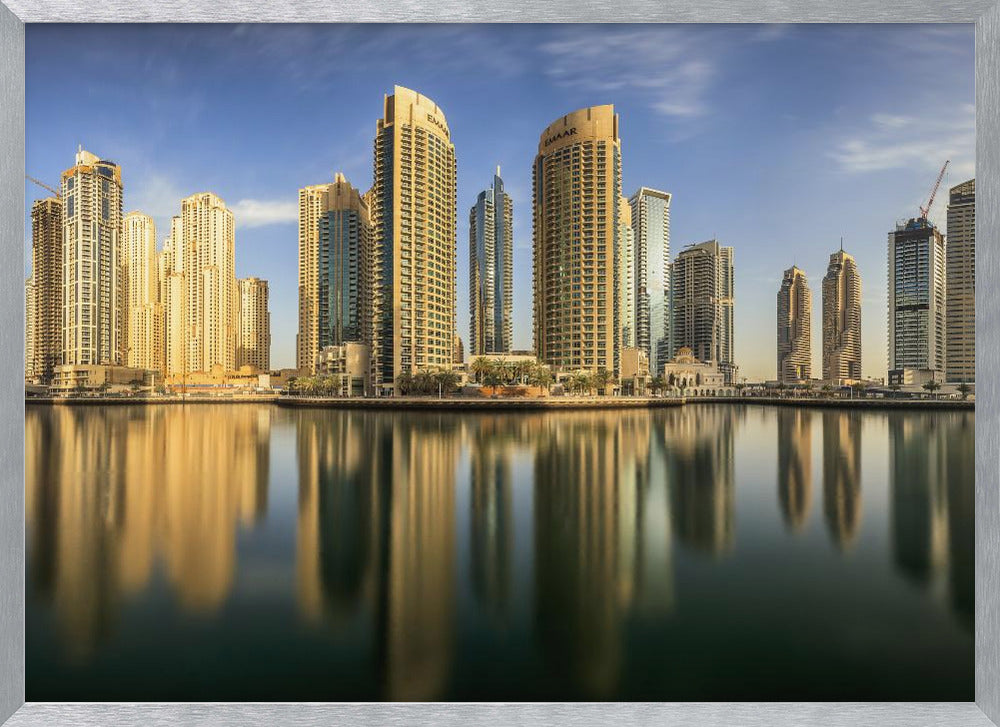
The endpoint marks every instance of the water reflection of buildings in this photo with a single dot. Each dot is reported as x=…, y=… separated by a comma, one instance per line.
x=842, y=476
x=932, y=463
x=111, y=491
x=701, y=473
x=602, y=538
x=491, y=528
x=795, y=465
x=377, y=532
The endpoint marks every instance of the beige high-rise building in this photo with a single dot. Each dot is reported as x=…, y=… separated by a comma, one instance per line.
x=842, y=319
x=93, y=280
x=335, y=269
x=29, y=329
x=960, y=256
x=577, y=191
x=173, y=297
x=626, y=252
x=253, y=347
x=794, y=327
x=143, y=311
x=204, y=255
x=47, y=279
x=413, y=206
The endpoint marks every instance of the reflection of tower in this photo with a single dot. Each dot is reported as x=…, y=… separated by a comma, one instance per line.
x=842, y=475
x=795, y=465
x=700, y=462
x=960, y=466
x=492, y=527
x=918, y=478
x=112, y=490
x=420, y=595
x=584, y=539
x=338, y=522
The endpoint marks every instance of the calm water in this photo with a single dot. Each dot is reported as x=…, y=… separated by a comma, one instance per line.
x=252, y=553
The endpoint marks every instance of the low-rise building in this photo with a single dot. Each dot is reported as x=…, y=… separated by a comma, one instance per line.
x=915, y=377
x=76, y=378
x=687, y=375
x=350, y=364
x=635, y=371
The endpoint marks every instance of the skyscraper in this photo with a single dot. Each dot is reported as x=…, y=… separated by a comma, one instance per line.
x=626, y=267
x=960, y=265
x=201, y=295
x=143, y=312
x=576, y=190
x=701, y=289
x=841, y=319
x=93, y=266
x=335, y=269
x=253, y=343
x=414, y=221
x=173, y=296
x=29, y=329
x=917, y=297
x=491, y=277
x=47, y=280
x=651, y=227
x=794, y=327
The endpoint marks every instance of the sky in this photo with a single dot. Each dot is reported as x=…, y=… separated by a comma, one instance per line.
x=776, y=140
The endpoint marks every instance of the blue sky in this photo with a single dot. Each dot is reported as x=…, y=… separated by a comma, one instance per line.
x=777, y=140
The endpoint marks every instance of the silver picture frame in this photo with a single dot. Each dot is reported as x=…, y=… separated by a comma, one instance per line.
x=14, y=711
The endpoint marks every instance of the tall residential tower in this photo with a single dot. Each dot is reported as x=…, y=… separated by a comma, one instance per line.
x=143, y=312
x=414, y=215
x=93, y=265
x=335, y=269
x=491, y=275
x=794, y=328
x=253, y=338
x=651, y=229
x=46, y=278
x=960, y=321
x=917, y=290
x=576, y=189
x=701, y=290
x=841, y=319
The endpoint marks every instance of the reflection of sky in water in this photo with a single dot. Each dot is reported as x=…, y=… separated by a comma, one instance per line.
x=706, y=552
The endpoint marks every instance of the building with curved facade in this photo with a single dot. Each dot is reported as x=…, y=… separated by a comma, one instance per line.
x=413, y=212
x=794, y=327
x=576, y=192
x=842, y=319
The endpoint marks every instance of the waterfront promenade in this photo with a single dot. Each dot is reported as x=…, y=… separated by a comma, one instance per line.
x=460, y=403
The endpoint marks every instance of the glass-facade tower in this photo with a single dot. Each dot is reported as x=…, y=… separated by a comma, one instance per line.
x=491, y=249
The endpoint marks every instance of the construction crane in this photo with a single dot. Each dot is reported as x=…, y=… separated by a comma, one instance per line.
x=44, y=185
x=925, y=210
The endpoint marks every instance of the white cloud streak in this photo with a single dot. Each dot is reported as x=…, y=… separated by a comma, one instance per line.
x=259, y=213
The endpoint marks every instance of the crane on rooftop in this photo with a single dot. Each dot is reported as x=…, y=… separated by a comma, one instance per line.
x=925, y=209
x=42, y=184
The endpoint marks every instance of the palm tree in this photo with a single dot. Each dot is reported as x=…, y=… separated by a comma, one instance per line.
x=657, y=384
x=404, y=383
x=600, y=380
x=932, y=386
x=480, y=365
x=521, y=369
x=540, y=376
x=964, y=389
x=447, y=380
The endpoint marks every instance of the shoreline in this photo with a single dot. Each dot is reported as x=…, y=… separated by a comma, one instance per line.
x=539, y=404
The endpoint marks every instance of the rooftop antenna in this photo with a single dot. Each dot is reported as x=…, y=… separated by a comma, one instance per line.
x=841, y=243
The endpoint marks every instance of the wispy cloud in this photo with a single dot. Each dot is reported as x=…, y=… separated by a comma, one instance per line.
x=902, y=142
x=158, y=196
x=664, y=65
x=674, y=67
x=258, y=213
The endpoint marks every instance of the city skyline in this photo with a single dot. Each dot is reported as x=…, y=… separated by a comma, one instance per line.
x=667, y=132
